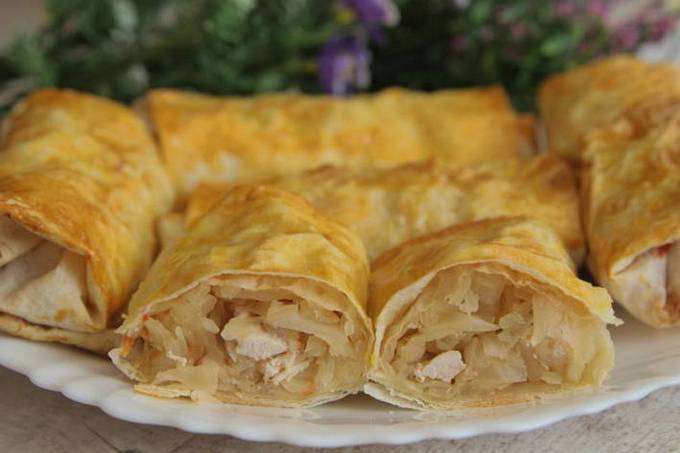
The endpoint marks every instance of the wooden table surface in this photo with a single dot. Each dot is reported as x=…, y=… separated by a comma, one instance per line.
x=36, y=420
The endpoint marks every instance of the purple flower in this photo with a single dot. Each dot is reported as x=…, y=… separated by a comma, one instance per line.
x=373, y=13
x=344, y=64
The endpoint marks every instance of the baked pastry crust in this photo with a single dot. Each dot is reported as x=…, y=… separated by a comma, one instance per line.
x=385, y=207
x=270, y=247
x=237, y=139
x=450, y=273
x=631, y=184
x=579, y=101
x=82, y=173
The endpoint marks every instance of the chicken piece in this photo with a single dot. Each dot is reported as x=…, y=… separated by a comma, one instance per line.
x=253, y=341
x=443, y=367
x=261, y=346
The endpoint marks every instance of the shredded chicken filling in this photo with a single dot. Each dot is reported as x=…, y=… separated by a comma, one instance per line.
x=247, y=338
x=472, y=332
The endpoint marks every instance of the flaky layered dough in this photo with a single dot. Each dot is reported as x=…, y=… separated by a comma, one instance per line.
x=236, y=139
x=262, y=303
x=584, y=99
x=99, y=342
x=484, y=314
x=81, y=186
x=387, y=207
x=631, y=191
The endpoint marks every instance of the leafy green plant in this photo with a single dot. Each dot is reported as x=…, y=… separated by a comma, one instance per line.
x=121, y=48
x=441, y=43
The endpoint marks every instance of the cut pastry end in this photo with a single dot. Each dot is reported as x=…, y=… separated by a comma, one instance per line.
x=99, y=342
x=649, y=286
x=474, y=338
x=263, y=340
x=43, y=283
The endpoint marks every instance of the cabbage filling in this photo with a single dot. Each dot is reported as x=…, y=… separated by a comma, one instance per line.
x=250, y=339
x=472, y=332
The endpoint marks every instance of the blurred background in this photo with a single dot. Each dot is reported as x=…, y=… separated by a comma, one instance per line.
x=121, y=48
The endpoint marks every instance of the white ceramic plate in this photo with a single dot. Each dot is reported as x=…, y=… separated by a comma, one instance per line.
x=646, y=361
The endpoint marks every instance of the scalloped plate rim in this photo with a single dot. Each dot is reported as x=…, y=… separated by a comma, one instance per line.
x=80, y=380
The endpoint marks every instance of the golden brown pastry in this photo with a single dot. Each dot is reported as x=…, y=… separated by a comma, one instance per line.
x=592, y=96
x=631, y=191
x=620, y=118
x=484, y=314
x=262, y=302
x=81, y=186
x=236, y=139
x=387, y=206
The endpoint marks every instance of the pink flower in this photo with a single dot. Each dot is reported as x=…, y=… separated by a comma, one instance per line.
x=518, y=31
x=460, y=43
x=662, y=27
x=486, y=33
x=626, y=36
x=564, y=8
x=512, y=53
x=597, y=8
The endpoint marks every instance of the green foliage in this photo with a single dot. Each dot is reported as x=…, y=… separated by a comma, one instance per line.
x=517, y=46
x=121, y=48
